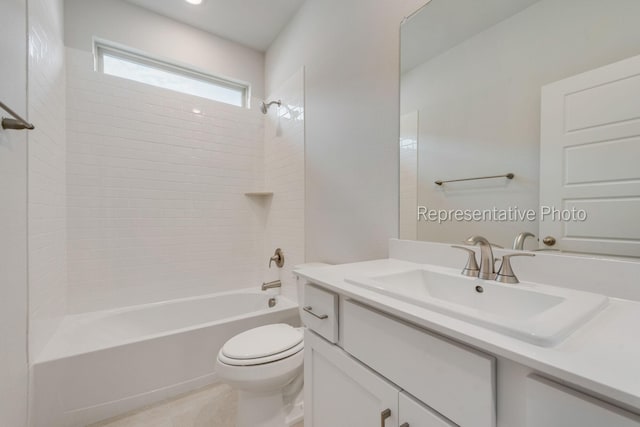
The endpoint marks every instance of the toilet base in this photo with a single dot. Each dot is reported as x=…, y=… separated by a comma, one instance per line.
x=259, y=410
x=295, y=411
x=279, y=409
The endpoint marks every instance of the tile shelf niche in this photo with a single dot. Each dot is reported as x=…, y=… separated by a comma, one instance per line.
x=259, y=194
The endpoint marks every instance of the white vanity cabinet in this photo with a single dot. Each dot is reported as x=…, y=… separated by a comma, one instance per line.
x=342, y=392
x=552, y=405
x=365, y=368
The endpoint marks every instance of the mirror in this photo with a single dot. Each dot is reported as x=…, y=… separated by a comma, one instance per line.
x=472, y=75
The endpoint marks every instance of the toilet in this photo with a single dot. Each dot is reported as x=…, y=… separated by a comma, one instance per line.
x=265, y=365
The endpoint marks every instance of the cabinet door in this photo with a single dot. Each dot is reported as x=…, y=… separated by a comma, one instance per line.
x=414, y=414
x=455, y=380
x=553, y=405
x=341, y=392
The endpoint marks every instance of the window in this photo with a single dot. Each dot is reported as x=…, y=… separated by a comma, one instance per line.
x=132, y=66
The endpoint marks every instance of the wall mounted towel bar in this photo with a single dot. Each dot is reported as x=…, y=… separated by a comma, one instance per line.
x=17, y=122
x=507, y=175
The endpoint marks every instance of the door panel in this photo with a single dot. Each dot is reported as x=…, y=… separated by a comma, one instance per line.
x=589, y=153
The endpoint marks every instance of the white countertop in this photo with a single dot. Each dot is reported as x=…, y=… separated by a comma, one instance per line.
x=602, y=356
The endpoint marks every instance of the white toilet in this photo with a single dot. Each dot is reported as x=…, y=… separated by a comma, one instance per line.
x=265, y=365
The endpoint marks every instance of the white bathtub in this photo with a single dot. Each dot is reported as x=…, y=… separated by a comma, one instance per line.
x=102, y=364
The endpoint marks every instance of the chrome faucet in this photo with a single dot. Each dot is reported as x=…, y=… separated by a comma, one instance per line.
x=487, y=263
x=518, y=243
x=271, y=285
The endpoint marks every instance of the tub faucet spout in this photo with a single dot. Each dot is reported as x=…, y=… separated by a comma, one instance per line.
x=271, y=285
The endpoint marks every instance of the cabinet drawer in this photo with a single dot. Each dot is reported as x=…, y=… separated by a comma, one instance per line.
x=455, y=380
x=416, y=414
x=320, y=312
x=552, y=405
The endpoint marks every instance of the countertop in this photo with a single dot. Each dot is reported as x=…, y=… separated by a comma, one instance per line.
x=601, y=357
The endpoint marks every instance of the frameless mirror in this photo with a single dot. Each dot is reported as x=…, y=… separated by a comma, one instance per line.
x=475, y=77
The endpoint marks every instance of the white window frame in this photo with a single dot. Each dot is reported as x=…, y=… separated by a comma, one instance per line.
x=100, y=48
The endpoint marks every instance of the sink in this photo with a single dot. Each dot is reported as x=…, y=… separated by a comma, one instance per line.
x=539, y=314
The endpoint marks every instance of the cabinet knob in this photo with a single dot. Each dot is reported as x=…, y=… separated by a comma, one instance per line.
x=384, y=415
x=404, y=425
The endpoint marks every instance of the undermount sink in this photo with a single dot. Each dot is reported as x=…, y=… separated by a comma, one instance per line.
x=539, y=314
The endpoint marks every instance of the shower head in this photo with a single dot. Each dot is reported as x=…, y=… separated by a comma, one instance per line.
x=264, y=106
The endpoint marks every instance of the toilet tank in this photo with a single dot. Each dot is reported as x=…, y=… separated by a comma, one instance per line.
x=301, y=281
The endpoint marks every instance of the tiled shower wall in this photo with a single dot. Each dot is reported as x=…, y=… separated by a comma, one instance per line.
x=284, y=175
x=155, y=192
x=46, y=172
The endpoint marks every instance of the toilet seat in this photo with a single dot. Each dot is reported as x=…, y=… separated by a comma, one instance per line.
x=261, y=345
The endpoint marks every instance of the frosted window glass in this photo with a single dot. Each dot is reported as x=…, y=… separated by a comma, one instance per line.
x=123, y=67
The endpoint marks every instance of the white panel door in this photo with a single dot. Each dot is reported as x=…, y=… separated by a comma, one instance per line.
x=590, y=160
x=341, y=392
x=13, y=215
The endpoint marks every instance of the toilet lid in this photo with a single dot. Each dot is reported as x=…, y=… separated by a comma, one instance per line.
x=262, y=342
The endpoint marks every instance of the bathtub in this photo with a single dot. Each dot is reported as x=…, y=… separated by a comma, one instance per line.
x=102, y=364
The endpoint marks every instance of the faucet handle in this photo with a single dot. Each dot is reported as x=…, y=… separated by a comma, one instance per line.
x=506, y=274
x=471, y=269
x=278, y=258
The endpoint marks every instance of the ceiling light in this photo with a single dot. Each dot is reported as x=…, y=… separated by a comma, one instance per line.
x=194, y=1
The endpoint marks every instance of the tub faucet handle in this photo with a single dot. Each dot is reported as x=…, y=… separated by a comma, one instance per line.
x=278, y=258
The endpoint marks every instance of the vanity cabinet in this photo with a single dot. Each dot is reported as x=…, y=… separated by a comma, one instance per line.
x=365, y=368
x=344, y=393
x=553, y=405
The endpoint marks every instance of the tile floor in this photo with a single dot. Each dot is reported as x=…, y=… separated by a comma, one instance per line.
x=213, y=406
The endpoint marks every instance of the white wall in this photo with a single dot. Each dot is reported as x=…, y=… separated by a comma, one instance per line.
x=13, y=220
x=47, y=172
x=479, y=106
x=156, y=205
x=132, y=26
x=350, y=52
x=284, y=175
